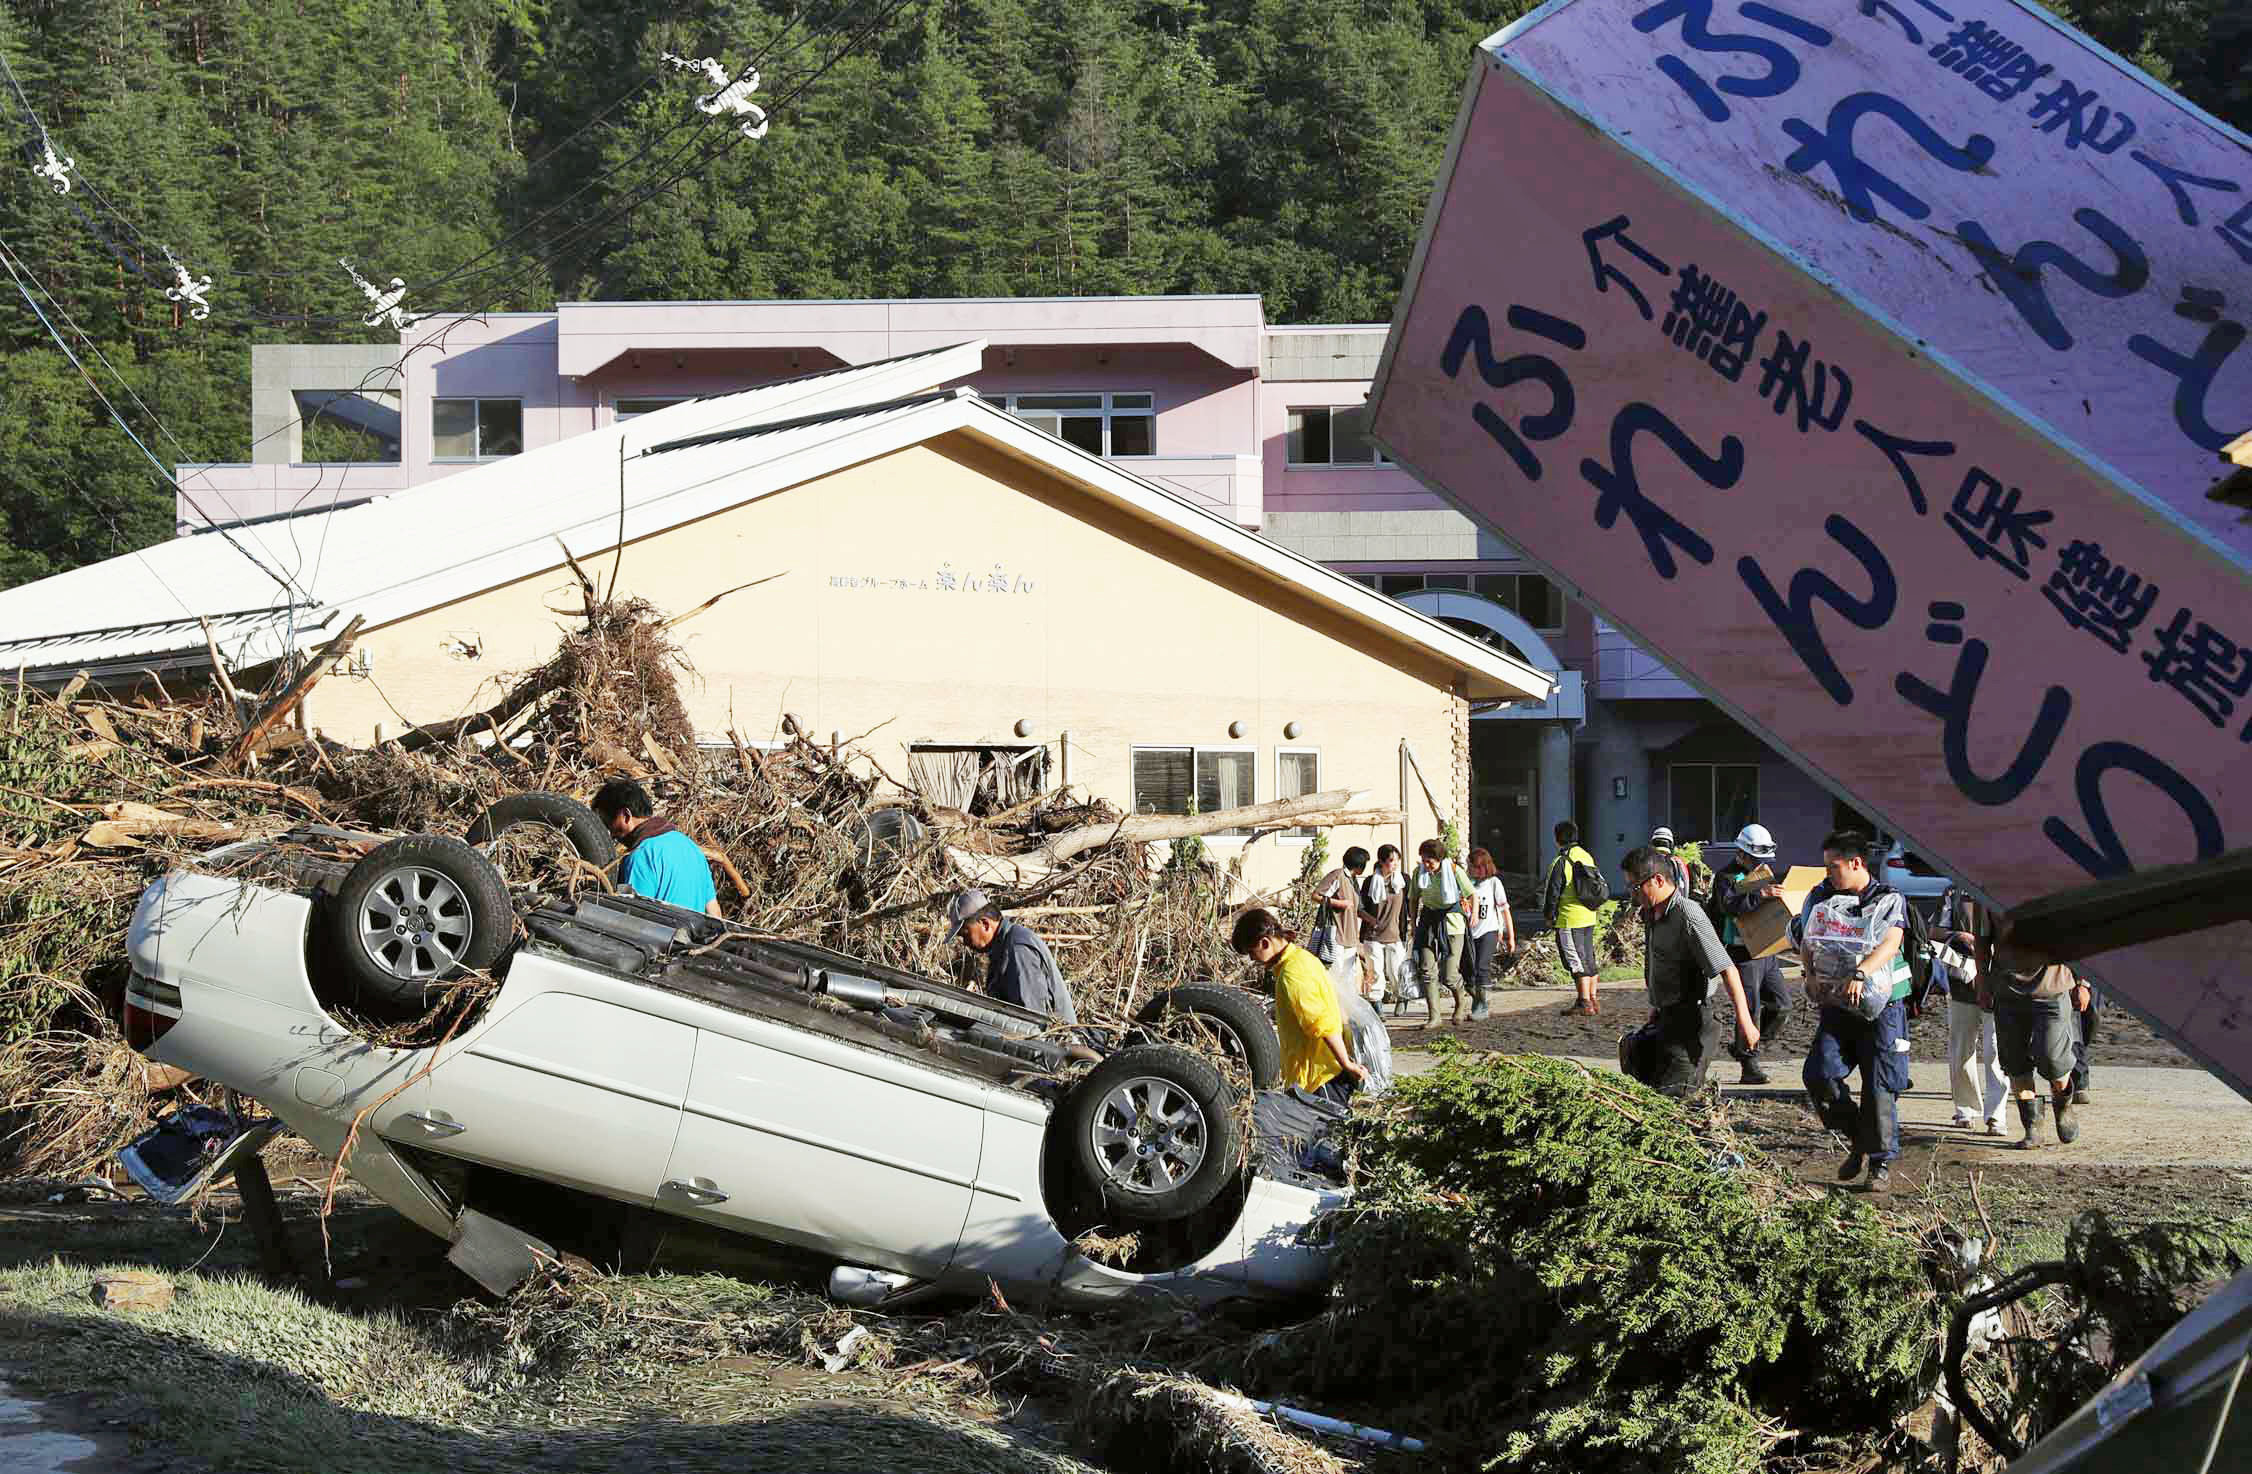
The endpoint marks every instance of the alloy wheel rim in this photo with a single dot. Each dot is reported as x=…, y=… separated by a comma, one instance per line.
x=415, y=923
x=1149, y=1134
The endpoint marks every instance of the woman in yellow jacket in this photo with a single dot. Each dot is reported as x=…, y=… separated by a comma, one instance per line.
x=1315, y=1057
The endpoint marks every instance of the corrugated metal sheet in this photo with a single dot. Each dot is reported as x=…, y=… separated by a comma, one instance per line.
x=439, y=541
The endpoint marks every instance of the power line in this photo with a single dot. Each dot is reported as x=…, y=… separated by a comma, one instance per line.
x=640, y=195
x=8, y=260
x=713, y=149
x=453, y=274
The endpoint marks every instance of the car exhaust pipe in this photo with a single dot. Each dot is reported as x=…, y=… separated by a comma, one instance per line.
x=851, y=1284
x=858, y=991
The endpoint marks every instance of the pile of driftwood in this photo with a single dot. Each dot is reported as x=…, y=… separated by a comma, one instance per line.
x=100, y=794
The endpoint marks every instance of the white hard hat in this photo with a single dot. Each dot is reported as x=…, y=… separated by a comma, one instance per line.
x=1754, y=840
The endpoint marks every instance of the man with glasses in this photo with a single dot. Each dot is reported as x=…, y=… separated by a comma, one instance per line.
x=1682, y=958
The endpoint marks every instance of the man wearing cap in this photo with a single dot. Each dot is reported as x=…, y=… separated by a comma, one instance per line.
x=1763, y=976
x=1019, y=968
x=1661, y=840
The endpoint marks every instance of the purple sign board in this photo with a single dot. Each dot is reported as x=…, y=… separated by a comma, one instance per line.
x=1870, y=364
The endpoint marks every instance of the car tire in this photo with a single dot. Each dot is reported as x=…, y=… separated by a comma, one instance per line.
x=588, y=835
x=415, y=912
x=1153, y=1130
x=887, y=835
x=1236, y=1016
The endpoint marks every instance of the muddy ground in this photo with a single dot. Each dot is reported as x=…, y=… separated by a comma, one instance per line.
x=2028, y=1199
x=2121, y=1038
x=132, y=1383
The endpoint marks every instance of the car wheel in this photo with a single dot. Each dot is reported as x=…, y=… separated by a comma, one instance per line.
x=415, y=912
x=1153, y=1129
x=589, y=837
x=888, y=834
x=1239, y=1021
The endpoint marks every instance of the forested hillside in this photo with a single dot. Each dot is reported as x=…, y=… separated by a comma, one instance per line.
x=503, y=153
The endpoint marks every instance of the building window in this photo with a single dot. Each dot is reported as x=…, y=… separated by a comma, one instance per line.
x=1528, y=595
x=1534, y=599
x=626, y=409
x=1711, y=801
x=476, y=429
x=1100, y=424
x=978, y=778
x=1297, y=773
x=1166, y=778
x=1335, y=435
x=349, y=426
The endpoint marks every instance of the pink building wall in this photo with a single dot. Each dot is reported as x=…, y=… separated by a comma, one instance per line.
x=1198, y=357
x=1326, y=488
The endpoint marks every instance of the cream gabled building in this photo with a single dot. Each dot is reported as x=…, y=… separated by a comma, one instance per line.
x=960, y=586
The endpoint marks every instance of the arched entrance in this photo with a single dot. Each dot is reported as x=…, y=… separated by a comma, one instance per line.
x=1520, y=756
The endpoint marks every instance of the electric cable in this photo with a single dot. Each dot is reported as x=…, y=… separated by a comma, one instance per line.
x=731, y=135
x=8, y=261
x=150, y=248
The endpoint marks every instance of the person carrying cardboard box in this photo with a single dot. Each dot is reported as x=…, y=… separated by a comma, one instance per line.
x=1743, y=888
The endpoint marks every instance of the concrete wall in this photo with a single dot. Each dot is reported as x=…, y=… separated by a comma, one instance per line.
x=1398, y=532
x=1308, y=354
x=277, y=370
x=1112, y=631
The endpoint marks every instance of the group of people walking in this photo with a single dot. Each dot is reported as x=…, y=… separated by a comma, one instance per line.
x=2017, y=1022
x=2019, y=1025
x=1452, y=920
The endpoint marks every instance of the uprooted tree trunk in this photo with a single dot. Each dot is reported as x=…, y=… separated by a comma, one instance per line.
x=1149, y=828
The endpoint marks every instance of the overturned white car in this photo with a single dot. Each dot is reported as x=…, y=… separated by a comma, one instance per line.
x=916, y=1133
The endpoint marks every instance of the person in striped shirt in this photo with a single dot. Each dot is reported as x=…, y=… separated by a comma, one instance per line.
x=1850, y=936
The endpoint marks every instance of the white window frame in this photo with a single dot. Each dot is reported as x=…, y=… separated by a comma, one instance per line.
x=724, y=745
x=1381, y=461
x=1373, y=578
x=1197, y=753
x=477, y=418
x=1305, y=835
x=1109, y=411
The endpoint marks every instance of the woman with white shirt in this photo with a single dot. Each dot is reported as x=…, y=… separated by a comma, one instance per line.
x=1492, y=929
x=1383, y=903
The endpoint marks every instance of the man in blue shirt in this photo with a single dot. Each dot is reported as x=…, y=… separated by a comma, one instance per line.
x=660, y=862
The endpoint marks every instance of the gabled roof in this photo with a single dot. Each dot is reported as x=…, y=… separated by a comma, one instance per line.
x=386, y=557
x=448, y=539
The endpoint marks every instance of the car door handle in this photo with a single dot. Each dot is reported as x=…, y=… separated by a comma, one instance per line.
x=698, y=1190
x=436, y=1123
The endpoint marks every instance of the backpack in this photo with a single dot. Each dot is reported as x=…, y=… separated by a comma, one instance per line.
x=1915, y=945
x=1592, y=891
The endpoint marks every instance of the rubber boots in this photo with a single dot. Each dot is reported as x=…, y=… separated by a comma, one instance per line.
x=2029, y=1114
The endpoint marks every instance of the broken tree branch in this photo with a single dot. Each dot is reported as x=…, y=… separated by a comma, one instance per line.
x=1147, y=828
x=294, y=692
x=680, y=619
x=500, y=714
x=219, y=671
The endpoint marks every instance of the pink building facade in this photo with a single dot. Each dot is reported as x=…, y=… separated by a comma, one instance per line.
x=1256, y=423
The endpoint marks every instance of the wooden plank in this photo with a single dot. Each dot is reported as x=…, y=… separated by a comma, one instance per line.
x=263, y=1218
x=2129, y=910
x=307, y=678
